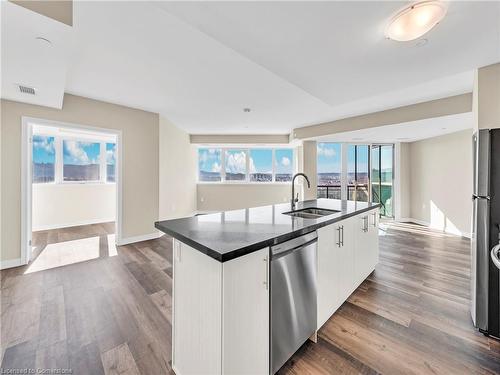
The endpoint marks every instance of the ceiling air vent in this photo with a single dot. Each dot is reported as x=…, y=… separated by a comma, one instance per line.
x=27, y=90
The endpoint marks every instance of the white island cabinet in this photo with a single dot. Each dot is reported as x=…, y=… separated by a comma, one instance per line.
x=347, y=254
x=221, y=309
x=220, y=313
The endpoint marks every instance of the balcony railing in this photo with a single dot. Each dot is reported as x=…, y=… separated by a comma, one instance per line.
x=355, y=192
x=358, y=192
x=329, y=191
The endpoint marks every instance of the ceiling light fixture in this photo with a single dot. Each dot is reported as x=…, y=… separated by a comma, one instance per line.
x=415, y=20
x=43, y=40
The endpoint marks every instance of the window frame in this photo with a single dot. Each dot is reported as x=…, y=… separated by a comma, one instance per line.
x=246, y=150
x=59, y=159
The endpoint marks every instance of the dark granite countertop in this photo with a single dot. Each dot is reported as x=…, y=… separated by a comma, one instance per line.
x=231, y=234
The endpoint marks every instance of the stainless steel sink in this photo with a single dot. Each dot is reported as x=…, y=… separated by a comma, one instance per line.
x=311, y=212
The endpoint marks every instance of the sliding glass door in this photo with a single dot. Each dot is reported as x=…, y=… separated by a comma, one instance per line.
x=358, y=175
x=382, y=177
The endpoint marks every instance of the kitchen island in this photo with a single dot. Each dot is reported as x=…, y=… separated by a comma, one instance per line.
x=221, y=278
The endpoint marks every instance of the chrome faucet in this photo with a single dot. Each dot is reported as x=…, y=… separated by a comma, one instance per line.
x=296, y=199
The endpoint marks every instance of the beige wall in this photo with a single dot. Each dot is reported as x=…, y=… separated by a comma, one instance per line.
x=487, y=97
x=140, y=132
x=404, y=181
x=59, y=10
x=239, y=138
x=217, y=197
x=177, y=172
x=66, y=205
x=309, y=160
x=414, y=112
x=441, y=182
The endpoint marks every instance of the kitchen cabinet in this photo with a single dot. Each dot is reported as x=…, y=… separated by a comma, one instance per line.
x=366, y=245
x=246, y=314
x=347, y=254
x=221, y=313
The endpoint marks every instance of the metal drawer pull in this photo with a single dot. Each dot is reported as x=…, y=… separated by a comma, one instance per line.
x=266, y=282
x=342, y=235
x=340, y=241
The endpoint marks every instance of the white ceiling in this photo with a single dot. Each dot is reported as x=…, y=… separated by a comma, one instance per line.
x=293, y=63
x=406, y=132
x=31, y=62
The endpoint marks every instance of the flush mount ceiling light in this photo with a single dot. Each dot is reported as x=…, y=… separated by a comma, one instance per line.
x=415, y=20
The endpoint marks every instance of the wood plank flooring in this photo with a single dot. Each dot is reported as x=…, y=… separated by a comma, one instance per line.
x=111, y=314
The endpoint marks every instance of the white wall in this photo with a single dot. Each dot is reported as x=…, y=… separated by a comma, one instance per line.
x=140, y=133
x=217, y=197
x=441, y=182
x=178, y=167
x=65, y=205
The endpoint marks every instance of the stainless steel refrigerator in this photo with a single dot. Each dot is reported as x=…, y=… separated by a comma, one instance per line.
x=485, y=280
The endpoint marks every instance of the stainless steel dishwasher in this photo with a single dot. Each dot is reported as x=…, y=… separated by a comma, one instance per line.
x=293, y=296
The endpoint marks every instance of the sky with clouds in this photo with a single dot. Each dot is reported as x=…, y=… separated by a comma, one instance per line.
x=209, y=160
x=329, y=158
x=74, y=152
x=80, y=153
x=43, y=149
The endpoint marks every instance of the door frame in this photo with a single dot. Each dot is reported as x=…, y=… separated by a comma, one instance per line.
x=26, y=177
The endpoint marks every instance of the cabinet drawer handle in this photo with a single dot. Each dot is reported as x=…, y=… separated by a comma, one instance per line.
x=266, y=281
x=365, y=223
x=374, y=219
x=339, y=244
x=342, y=235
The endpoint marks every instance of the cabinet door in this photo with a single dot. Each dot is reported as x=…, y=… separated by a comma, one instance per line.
x=328, y=272
x=373, y=239
x=346, y=259
x=361, y=247
x=197, y=312
x=246, y=314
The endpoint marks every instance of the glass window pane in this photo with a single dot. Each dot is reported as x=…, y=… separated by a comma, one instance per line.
x=284, y=164
x=110, y=162
x=81, y=161
x=44, y=158
x=329, y=170
x=386, y=159
x=261, y=165
x=235, y=165
x=209, y=164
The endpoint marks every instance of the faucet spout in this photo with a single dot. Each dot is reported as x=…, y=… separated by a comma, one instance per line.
x=294, y=199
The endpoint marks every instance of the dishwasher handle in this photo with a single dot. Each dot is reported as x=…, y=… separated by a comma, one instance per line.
x=294, y=243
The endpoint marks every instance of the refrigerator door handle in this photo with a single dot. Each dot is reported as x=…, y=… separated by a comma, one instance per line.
x=495, y=256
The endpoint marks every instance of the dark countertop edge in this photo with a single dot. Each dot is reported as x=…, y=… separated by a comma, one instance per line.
x=262, y=244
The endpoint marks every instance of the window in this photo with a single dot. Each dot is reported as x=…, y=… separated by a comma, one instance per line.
x=357, y=173
x=81, y=161
x=110, y=162
x=284, y=165
x=236, y=165
x=329, y=170
x=209, y=164
x=261, y=165
x=256, y=165
x=44, y=159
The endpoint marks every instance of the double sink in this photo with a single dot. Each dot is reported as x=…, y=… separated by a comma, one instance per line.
x=311, y=213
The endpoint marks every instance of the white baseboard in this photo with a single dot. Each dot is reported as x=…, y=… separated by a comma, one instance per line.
x=74, y=224
x=428, y=225
x=134, y=239
x=9, y=263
